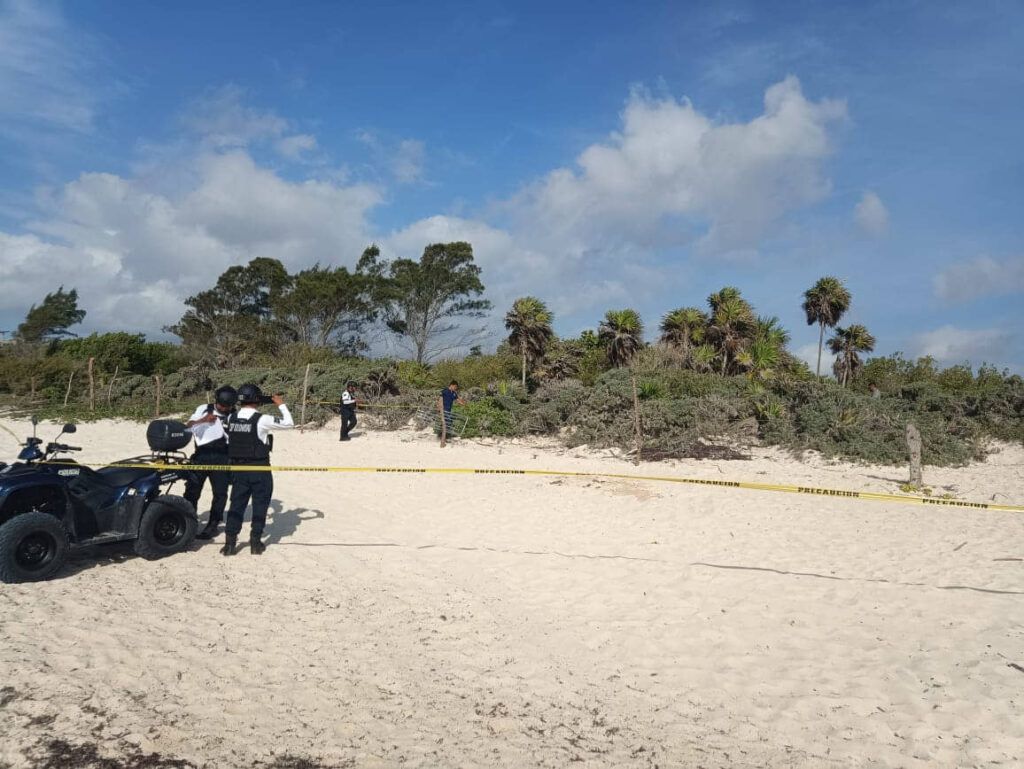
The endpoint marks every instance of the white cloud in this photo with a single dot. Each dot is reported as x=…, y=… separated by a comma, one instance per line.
x=294, y=147
x=950, y=344
x=673, y=169
x=134, y=254
x=223, y=120
x=871, y=214
x=407, y=165
x=45, y=72
x=808, y=353
x=980, y=277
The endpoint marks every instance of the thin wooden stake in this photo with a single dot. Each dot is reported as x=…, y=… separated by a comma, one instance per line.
x=305, y=388
x=110, y=387
x=636, y=421
x=156, y=378
x=92, y=387
x=68, y=393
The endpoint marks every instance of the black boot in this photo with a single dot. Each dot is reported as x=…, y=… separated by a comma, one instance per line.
x=256, y=546
x=230, y=543
x=210, y=530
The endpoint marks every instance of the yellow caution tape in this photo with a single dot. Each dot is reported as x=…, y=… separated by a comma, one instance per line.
x=752, y=485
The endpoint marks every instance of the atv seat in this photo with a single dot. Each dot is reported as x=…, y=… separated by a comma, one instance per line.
x=122, y=476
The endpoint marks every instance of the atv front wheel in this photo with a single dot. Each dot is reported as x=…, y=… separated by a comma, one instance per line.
x=168, y=526
x=33, y=547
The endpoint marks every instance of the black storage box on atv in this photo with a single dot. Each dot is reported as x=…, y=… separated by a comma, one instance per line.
x=167, y=435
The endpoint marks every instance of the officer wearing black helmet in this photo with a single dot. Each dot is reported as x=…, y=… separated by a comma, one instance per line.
x=207, y=426
x=249, y=443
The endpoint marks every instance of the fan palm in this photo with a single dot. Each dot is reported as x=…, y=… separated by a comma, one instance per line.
x=683, y=328
x=731, y=326
x=621, y=334
x=529, y=322
x=847, y=345
x=824, y=303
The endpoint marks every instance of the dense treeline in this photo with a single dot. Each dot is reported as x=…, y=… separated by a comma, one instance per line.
x=717, y=377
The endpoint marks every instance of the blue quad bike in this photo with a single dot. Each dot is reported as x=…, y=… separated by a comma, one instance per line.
x=49, y=502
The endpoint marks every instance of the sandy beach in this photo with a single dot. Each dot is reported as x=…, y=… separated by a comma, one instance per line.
x=470, y=621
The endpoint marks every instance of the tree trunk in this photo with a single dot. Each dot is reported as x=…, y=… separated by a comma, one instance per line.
x=92, y=387
x=821, y=342
x=524, y=365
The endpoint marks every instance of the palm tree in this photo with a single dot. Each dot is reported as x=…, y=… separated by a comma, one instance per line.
x=683, y=328
x=824, y=303
x=703, y=357
x=529, y=322
x=731, y=325
x=621, y=333
x=847, y=344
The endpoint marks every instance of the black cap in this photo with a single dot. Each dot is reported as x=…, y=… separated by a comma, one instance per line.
x=226, y=396
x=250, y=393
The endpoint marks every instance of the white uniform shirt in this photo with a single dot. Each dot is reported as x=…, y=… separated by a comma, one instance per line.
x=267, y=422
x=347, y=398
x=207, y=432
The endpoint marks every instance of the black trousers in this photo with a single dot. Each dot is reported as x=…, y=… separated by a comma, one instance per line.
x=348, y=420
x=246, y=486
x=219, y=482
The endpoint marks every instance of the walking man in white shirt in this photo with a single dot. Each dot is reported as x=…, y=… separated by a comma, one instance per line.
x=348, y=410
x=249, y=444
x=207, y=426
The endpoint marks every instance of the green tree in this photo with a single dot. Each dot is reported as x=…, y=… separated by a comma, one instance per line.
x=52, y=318
x=684, y=328
x=825, y=303
x=327, y=307
x=122, y=351
x=529, y=324
x=731, y=325
x=233, y=322
x=847, y=344
x=621, y=334
x=422, y=301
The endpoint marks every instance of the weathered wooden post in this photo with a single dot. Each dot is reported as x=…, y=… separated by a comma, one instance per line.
x=305, y=389
x=92, y=386
x=914, y=445
x=68, y=393
x=444, y=422
x=636, y=421
x=110, y=387
x=156, y=378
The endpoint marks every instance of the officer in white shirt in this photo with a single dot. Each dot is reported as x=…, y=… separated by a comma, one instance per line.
x=348, y=410
x=207, y=426
x=249, y=444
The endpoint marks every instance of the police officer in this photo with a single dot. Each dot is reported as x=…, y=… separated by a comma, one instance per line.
x=348, y=410
x=249, y=443
x=207, y=426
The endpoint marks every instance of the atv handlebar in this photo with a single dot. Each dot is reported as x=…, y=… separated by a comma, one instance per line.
x=55, y=447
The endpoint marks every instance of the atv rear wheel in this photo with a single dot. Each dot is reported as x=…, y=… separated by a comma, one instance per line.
x=168, y=526
x=33, y=547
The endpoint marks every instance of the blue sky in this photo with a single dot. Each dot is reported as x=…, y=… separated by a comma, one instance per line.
x=596, y=155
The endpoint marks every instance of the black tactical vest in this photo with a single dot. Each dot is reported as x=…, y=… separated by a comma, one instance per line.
x=244, y=441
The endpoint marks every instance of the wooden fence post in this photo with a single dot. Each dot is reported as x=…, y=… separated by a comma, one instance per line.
x=636, y=421
x=110, y=387
x=156, y=378
x=92, y=387
x=68, y=393
x=444, y=423
x=914, y=446
x=32, y=385
x=305, y=388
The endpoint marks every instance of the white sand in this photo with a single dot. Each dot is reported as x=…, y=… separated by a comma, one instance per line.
x=442, y=621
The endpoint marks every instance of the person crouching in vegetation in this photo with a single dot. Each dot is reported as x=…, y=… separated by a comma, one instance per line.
x=249, y=443
x=207, y=426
